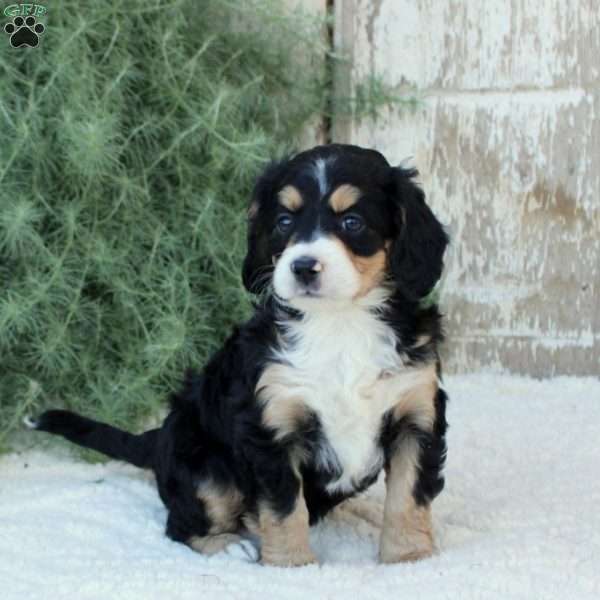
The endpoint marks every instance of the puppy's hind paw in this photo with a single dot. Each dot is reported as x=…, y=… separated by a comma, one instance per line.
x=407, y=548
x=290, y=558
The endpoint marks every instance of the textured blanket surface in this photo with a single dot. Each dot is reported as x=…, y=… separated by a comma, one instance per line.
x=519, y=518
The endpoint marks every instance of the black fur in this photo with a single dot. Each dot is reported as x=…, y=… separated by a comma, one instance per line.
x=417, y=253
x=430, y=481
x=215, y=430
x=257, y=263
x=120, y=445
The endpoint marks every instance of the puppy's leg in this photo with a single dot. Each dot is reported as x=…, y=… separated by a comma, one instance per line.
x=206, y=515
x=282, y=520
x=413, y=477
x=284, y=538
x=364, y=508
x=406, y=534
x=363, y=514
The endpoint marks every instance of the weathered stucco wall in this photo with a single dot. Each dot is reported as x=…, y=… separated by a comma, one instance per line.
x=507, y=140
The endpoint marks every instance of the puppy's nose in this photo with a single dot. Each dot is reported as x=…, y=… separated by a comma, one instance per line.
x=306, y=269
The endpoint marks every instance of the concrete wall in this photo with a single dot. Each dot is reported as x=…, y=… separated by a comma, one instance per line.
x=507, y=139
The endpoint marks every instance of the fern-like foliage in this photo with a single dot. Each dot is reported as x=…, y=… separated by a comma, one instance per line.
x=129, y=141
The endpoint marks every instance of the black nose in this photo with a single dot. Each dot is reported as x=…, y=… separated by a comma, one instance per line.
x=306, y=269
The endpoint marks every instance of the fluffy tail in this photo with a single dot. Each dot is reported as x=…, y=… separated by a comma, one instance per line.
x=116, y=443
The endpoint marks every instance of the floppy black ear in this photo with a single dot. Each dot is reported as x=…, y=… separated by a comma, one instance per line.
x=417, y=252
x=258, y=262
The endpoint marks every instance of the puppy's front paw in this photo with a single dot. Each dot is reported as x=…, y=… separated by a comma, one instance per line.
x=288, y=558
x=405, y=548
x=390, y=557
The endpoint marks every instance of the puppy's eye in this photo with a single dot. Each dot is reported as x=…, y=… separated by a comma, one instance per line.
x=284, y=223
x=352, y=223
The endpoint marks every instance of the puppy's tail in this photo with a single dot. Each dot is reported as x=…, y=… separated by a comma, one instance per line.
x=115, y=443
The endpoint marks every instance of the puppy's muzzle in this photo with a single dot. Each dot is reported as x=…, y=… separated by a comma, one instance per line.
x=306, y=270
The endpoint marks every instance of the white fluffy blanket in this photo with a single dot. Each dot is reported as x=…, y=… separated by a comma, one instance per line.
x=519, y=518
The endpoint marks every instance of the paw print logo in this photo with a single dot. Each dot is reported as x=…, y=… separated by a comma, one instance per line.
x=24, y=32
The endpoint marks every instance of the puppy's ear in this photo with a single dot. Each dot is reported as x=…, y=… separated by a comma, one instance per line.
x=417, y=252
x=258, y=262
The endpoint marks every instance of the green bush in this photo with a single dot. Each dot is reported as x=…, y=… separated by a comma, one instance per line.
x=129, y=142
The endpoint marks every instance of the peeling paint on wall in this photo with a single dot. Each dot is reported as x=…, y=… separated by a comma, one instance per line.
x=508, y=144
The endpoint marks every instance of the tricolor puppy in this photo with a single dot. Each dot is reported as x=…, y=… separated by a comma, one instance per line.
x=335, y=377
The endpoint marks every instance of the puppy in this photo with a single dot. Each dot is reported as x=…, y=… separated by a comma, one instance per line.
x=335, y=377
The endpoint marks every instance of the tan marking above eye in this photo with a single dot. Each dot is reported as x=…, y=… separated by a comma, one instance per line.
x=291, y=198
x=344, y=197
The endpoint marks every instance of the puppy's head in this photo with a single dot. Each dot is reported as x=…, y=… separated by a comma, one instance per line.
x=335, y=222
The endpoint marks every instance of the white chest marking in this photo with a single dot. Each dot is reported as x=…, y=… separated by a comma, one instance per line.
x=344, y=366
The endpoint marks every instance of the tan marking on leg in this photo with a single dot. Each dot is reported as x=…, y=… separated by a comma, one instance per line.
x=344, y=197
x=213, y=544
x=283, y=411
x=290, y=198
x=284, y=542
x=406, y=534
x=223, y=506
x=407, y=530
x=419, y=402
x=408, y=392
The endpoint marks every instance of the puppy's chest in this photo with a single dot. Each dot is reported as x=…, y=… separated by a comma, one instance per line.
x=341, y=371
